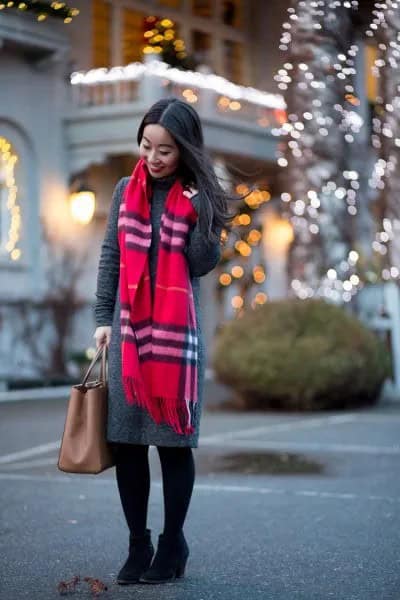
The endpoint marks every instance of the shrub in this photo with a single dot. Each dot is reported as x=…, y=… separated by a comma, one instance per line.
x=300, y=355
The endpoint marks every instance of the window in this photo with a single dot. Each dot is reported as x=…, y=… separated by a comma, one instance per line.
x=10, y=212
x=132, y=35
x=101, y=34
x=371, y=82
x=202, y=48
x=232, y=13
x=233, y=60
x=203, y=8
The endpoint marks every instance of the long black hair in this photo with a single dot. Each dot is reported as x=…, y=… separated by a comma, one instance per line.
x=195, y=166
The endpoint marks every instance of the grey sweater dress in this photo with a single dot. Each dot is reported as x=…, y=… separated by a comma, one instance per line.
x=127, y=423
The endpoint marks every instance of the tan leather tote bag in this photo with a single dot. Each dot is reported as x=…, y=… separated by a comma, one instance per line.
x=84, y=447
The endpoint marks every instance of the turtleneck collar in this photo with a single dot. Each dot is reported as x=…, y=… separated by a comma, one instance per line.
x=163, y=183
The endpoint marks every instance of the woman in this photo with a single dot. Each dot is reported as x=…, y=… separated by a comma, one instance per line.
x=163, y=234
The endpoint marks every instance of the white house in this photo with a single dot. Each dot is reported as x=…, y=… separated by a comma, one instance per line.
x=71, y=98
x=52, y=131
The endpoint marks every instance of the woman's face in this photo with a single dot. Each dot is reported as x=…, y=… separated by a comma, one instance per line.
x=159, y=151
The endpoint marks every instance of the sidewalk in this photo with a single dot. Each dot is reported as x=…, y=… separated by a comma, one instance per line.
x=214, y=393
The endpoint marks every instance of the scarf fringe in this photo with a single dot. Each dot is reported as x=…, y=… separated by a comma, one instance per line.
x=162, y=410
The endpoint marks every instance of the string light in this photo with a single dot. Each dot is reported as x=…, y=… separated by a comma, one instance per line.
x=189, y=79
x=309, y=209
x=259, y=275
x=8, y=160
x=241, y=255
x=225, y=279
x=237, y=271
x=43, y=10
x=237, y=302
x=189, y=95
x=260, y=298
x=385, y=137
x=159, y=39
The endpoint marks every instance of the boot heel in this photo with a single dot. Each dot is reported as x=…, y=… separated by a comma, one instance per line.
x=170, y=560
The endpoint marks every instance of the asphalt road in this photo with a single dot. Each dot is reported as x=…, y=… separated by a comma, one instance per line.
x=302, y=507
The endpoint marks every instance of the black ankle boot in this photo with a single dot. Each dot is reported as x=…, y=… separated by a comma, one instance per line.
x=169, y=561
x=141, y=552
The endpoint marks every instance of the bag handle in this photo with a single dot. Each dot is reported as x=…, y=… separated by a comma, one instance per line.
x=103, y=366
x=101, y=350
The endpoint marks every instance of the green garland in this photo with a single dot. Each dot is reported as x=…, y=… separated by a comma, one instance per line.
x=60, y=10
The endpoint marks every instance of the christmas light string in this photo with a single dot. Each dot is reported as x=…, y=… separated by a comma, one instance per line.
x=241, y=265
x=385, y=137
x=220, y=85
x=42, y=10
x=8, y=160
x=341, y=281
x=305, y=212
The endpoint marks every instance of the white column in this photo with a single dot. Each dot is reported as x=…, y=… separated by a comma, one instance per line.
x=151, y=89
x=392, y=303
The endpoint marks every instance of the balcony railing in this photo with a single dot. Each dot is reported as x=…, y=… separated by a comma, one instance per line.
x=213, y=96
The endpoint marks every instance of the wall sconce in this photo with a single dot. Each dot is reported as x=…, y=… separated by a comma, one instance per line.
x=279, y=235
x=82, y=203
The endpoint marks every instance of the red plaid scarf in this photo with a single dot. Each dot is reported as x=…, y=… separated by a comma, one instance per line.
x=158, y=335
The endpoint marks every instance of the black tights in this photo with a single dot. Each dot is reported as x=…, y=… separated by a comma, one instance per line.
x=133, y=478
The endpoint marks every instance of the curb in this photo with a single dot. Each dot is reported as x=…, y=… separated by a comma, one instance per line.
x=61, y=392
x=44, y=393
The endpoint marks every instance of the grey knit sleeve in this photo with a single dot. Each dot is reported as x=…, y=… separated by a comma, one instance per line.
x=202, y=255
x=108, y=271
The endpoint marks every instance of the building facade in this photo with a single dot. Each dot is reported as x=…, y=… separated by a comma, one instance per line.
x=71, y=98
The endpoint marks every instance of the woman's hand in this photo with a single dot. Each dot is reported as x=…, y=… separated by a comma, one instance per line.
x=102, y=335
x=190, y=192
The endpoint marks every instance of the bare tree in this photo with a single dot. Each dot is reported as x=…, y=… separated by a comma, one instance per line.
x=43, y=326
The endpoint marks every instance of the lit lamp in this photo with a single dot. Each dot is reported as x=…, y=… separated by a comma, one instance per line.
x=279, y=235
x=82, y=204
